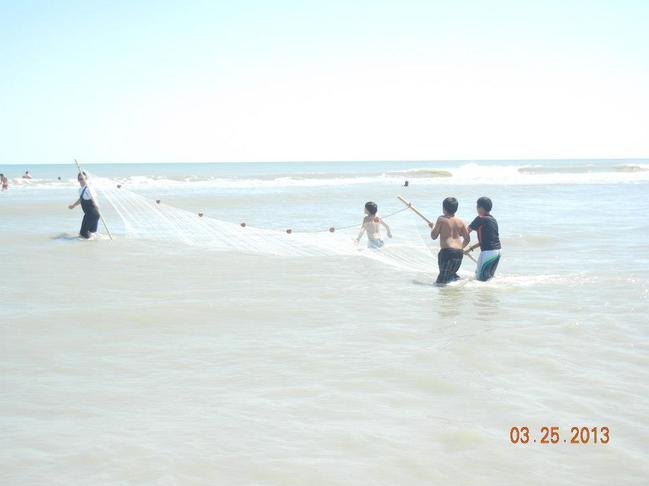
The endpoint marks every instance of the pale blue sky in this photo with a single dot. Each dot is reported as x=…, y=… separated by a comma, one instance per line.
x=120, y=81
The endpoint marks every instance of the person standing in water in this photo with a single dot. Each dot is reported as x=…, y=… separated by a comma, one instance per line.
x=372, y=224
x=453, y=238
x=4, y=181
x=27, y=175
x=89, y=206
x=488, y=240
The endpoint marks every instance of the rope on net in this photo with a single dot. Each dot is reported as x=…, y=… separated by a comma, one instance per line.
x=154, y=220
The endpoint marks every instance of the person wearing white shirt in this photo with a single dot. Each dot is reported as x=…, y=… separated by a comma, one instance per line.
x=89, y=206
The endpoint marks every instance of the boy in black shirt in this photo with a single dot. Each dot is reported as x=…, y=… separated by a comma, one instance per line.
x=488, y=240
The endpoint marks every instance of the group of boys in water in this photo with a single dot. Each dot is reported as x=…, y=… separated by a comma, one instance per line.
x=454, y=238
x=453, y=234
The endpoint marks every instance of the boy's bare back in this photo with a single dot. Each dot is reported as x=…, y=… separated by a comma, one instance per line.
x=372, y=226
x=452, y=232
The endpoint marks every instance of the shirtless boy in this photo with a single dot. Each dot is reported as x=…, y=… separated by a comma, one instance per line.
x=372, y=224
x=453, y=238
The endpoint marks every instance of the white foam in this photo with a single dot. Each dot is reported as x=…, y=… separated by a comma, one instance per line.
x=467, y=174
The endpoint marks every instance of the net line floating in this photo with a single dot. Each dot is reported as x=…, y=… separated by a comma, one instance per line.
x=138, y=217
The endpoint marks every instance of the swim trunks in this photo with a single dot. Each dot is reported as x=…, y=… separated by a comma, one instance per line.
x=449, y=261
x=487, y=264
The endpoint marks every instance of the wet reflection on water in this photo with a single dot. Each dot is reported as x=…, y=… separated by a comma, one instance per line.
x=470, y=300
x=486, y=303
x=450, y=302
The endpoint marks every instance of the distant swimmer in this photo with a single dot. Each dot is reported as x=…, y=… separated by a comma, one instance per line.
x=26, y=175
x=4, y=181
x=488, y=240
x=453, y=238
x=372, y=224
x=89, y=206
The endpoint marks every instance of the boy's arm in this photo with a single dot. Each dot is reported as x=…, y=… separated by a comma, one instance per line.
x=472, y=227
x=361, y=233
x=75, y=204
x=435, y=233
x=471, y=248
x=466, y=237
x=387, y=228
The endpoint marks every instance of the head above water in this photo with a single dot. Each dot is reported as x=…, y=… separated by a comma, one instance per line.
x=484, y=205
x=450, y=206
x=81, y=177
x=371, y=208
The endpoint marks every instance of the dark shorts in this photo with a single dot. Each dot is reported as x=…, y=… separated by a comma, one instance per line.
x=449, y=261
x=89, y=224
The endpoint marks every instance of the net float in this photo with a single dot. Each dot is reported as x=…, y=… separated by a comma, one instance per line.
x=289, y=231
x=243, y=225
x=332, y=229
x=200, y=215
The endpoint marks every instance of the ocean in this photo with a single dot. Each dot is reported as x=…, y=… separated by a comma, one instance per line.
x=229, y=357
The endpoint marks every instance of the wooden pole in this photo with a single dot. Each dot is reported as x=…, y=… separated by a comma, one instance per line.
x=409, y=204
x=95, y=202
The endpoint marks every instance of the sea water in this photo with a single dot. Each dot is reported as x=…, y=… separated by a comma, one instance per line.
x=138, y=362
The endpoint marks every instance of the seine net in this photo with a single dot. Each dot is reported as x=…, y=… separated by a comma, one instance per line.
x=409, y=249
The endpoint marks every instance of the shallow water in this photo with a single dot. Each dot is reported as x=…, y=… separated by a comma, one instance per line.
x=135, y=361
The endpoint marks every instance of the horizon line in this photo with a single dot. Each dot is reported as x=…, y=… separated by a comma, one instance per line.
x=510, y=159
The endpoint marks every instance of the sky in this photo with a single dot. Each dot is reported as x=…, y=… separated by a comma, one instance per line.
x=224, y=81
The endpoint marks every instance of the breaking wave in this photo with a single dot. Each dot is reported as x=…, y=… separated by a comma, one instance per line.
x=465, y=174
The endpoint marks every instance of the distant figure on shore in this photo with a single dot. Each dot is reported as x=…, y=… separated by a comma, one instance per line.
x=453, y=238
x=488, y=240
x=26, y=175
x=4, y=181
x=371, y=224
x=89, y=206
x=405, y=184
